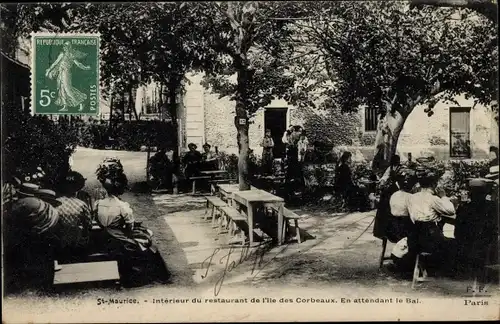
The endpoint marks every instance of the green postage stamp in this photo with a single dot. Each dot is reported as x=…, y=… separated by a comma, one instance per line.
x=65, y=74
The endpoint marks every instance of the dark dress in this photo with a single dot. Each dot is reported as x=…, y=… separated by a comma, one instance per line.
x=192, y=160
x=162, y=170
x=476, y=232
x=345, y=189
x=138, y=259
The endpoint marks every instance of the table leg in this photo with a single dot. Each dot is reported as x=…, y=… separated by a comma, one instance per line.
x=250, y=223
x=280, y=224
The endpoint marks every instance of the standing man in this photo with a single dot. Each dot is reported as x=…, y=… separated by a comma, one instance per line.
x=267, y=153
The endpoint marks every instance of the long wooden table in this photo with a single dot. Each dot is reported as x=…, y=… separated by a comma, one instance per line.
x=256, y=198
x=213, y=173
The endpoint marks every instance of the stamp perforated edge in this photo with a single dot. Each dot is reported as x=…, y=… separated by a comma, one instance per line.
x=32, y=65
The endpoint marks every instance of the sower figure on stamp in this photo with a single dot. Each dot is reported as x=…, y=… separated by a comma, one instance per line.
x=67, y=95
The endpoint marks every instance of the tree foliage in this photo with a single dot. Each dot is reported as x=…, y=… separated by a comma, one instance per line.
x=380, y=54
x=247, y=38
x=250, y=59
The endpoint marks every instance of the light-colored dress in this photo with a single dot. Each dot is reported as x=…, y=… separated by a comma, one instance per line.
x=302, y=148
x=113, y=214
x=67, y=94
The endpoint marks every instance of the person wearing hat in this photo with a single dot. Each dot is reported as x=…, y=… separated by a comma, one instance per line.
x=75, y=219
x=129, y=241
x=476, y=227
x=30, y=239
x=162, y=169
x=399, y=224
x=426, y=209
x=267, y=153
x=209, y=158
x=192, y=160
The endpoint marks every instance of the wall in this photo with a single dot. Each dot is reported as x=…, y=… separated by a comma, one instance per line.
x=419, y=128
x=337, y=128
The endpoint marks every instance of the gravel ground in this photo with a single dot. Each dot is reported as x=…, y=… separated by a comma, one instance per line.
x=337, y=260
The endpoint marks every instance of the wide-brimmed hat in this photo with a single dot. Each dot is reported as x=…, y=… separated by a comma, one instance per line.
x=493, y=172
x=48, y=196
x=192, y=145
x=480, y=183
x=207, y=145
x=28, y=189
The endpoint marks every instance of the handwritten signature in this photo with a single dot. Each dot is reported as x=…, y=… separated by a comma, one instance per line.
x=246, y=253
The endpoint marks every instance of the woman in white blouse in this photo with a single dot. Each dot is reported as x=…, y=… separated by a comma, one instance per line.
x=128, y=240
x=426, y=209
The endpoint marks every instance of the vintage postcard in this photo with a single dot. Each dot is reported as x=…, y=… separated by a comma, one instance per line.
x=250, y=161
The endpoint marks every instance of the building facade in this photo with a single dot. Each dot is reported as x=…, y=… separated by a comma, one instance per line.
x=462, y=130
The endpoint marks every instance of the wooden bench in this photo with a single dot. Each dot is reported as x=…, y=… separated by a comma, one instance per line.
x=215, y=182
x=76, y=273
x=289, y=215
x=213, y=203
x=235, y=220
x=194, y=179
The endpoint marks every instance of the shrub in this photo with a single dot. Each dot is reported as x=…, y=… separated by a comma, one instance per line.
x=455, y=180
x=33, y=141
x=368, y=139
x=437, y=141
x=129, y=135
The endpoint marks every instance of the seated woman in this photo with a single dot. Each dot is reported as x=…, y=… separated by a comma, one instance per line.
x=426, y=209
x=209, y=159
x=345, y=188
x=399, y=223
x=29, y=240
x=129, y=241
x=476, y=227
x=75, y=219
x=161, y=169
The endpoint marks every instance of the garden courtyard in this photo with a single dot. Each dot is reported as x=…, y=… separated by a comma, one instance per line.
x=338, y=258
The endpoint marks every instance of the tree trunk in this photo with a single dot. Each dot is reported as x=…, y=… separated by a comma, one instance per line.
x=111, y=102
x=130, y=102
x=241, y=123
x=386, y=140
x=172, y=93
x=173, y=85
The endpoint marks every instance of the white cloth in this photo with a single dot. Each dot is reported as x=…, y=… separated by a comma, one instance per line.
x=424, y=206
x=111, y=208
x=401, y=248
x=399, y=203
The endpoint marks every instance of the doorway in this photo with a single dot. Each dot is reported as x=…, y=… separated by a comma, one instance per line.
x=275, y=120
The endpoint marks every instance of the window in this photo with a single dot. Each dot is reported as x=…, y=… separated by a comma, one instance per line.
x=460, y=132
x=371, y=119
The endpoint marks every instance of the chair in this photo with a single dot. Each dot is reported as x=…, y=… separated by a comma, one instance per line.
x=419, y=271
x=382, y=255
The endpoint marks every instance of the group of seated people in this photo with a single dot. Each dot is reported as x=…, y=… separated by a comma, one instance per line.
x=42, y=227
x=163, y=168
x=411, y=213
